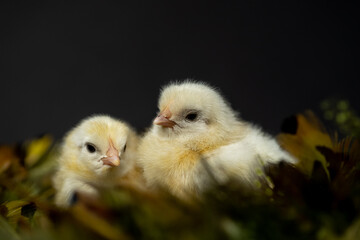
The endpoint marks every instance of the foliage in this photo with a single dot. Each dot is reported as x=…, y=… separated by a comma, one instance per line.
x=319, y=199
x=342, y=115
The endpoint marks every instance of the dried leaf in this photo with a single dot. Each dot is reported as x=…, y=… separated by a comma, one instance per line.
x=7, y=157
x=95, y=223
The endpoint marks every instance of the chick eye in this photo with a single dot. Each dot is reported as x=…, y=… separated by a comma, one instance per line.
x=191, y=116
x=124, y=148
x=90, y=148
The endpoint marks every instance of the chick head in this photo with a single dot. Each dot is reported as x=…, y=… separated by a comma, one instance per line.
x=99, y=144
x=189, y=108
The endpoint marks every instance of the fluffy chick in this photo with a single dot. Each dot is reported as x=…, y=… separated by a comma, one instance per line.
x=197, y=137
x=96, y=153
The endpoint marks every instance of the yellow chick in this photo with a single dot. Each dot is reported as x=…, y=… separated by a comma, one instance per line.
x=96, y=153
x=197, y=137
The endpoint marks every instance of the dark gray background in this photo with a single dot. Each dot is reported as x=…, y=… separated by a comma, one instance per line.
x=61, y=62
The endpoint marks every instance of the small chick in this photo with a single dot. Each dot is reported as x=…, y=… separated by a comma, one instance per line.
x=197, y=137
x=94, y=154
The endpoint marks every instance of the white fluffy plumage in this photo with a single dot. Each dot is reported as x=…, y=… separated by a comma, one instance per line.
x=96, y=153
x=196, y=126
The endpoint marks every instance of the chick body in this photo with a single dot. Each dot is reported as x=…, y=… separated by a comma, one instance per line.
x=198, y=137
x=96, y=153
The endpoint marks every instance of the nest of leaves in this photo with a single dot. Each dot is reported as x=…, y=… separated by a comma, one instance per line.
x=317, y=199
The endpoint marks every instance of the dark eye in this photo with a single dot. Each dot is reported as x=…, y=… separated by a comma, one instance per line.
x=191, y=116
x=124, y=148
x=90, y=147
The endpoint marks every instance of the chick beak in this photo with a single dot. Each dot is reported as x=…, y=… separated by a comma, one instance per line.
x=163, y=119
x=112, y=156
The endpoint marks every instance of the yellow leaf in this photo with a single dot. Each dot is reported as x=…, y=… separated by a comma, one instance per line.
x=36, y=149
x=14, y=207
x=310, y=133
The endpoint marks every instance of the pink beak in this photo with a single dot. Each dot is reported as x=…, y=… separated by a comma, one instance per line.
x=163, y=119
x=112, y=156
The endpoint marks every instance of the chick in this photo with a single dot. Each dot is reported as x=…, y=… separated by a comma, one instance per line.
x=94, y=154
x=197, y=137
